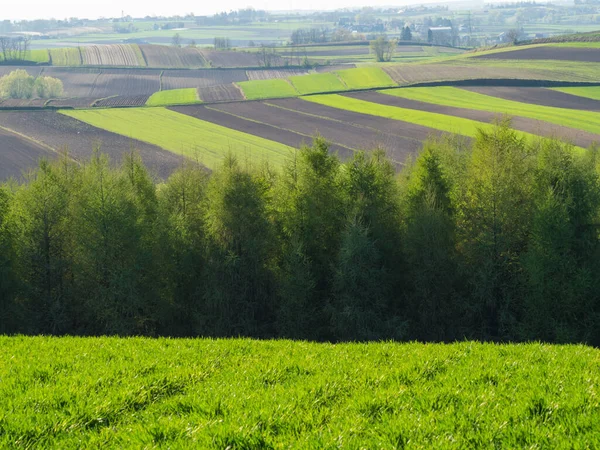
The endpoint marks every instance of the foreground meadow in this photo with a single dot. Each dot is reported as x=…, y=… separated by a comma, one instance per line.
x=244, y=394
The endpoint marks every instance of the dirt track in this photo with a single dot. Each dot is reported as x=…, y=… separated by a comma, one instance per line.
x=60, y=132
x=17, y=155
x=580, y=138
x=557, y=53
x=539, y=96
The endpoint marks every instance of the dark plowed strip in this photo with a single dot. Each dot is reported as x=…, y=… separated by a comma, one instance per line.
x=17, y=155
x=539, y=96
x=209, y=114
x=580, y=138
x=60, y=132
x=556, y=53
x=72, y=102
x=123, y=100
x=356, y=131
x=223, y=93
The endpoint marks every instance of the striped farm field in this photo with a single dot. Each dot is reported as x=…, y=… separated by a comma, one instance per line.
x=66, y=56
x=205, y=142
x=460, y=98
x=260, y=89
x=174, y=97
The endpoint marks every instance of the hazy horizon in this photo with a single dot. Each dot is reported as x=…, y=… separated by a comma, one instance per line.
x=40, y=9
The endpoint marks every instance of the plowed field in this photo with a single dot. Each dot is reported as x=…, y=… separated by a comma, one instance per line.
x=182, y=79
x=17, y=155
x=548, y=53
x=172, y=57
x=113, y=55
x=221, y=93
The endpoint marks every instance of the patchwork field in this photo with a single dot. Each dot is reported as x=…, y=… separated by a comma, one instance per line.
x=62, y=133
x=173, y=97
x=169, y=393
x=202, y=141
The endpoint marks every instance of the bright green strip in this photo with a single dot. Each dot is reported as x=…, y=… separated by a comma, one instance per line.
x=592, y=92
x=365, y=78
x=460, y=98
x=259, y=89
x=197, y=139
x=318, y=82
x=132, y=393
x=174, y=97
x=450, y=124
x=594, y=45
x=66, y=56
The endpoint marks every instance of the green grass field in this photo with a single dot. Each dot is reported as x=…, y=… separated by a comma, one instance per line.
x=72, y=393
x=203, y=141
x=318, y=82
x=174, y=97
x=259, y=89
x=592, y=92
x=451, y=96
x=442, y=122
x=365, y=78
x=66, y=56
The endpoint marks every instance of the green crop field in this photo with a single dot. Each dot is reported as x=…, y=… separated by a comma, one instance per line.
x=204, y=141
x=319, y=82
x=73, y=393
x=451, y=96
x=174, y=97
x=592, y=92
x=66, y=56
x=38, y=56
x=450, y=124
x=274, y=88
x=365, y=78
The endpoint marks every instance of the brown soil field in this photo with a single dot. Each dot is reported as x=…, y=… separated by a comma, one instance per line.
x=61, y=132
x=122, y=100
x=234, y=59
x=549, y=53
x=539, y=96
x=23, y=103
x=578, y=137
x=17, y=155
x=171, y=57
x=72, y=102
x=334, y=67
x=426, y=73
x=180, y=79
x=360, y=50
x=101, y=83
x=111, y=55
x=269, y=74
x=222, y=93
x=287, y=137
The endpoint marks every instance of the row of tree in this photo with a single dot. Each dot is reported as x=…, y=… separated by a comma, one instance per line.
x=20, y=85
x=497, y=240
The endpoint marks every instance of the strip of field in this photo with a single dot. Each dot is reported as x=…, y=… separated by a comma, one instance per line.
x=320, y=82
x=592, y=92
x=122, y=100
x=450, y=96
x=174, y=97
x=18, y=155
x=269, y=74
x=64, y=133
x=161, y=56
x=398, y=142
x=181, y=79
x=244, y=394
x=221, y=93
x=260, y=89
x=539, y=96
x=113, y=55
x=66, y=56
x=443, y=122
x=203, y=141
x=547, y=53
x=252, y=126
x=365, y=78
x=524, y=124
x=233, y=59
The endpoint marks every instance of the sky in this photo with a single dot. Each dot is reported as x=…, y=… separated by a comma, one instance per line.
x=61, y=9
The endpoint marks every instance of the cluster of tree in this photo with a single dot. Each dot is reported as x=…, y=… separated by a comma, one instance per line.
x=406, y=34
x=383, y=48
x=247, y=15
x=20, y=85
x=303, y=36
x=494, y=240
x=124, y=28
x=14, y=49
x=268, y=56
x=221, y=43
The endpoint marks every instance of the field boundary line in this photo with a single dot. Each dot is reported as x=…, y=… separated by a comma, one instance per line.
x=240, y=89
x=35, y=141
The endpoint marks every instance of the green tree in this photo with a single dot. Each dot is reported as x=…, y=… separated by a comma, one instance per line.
x=383, y=48
x=241, y=248
x=7, y=276
x=176, y=40
x=406, y=34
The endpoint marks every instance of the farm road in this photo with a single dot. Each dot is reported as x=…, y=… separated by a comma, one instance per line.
x=538, y=127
